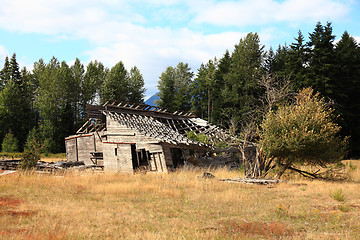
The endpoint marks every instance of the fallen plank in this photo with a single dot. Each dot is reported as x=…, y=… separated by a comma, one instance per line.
x=6, y=172
x=251, y=181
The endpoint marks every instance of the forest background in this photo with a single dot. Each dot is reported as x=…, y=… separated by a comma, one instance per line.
x=50, y=101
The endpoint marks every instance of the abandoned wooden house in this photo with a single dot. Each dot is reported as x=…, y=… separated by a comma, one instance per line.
x=124, y=137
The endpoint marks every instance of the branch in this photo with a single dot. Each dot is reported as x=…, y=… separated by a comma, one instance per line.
x=305, y=173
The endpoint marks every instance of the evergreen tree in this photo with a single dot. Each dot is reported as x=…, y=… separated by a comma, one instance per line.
x=9, y=143
x=56, y=100
x=269, y=61
x=32, y=150
x=93, y=80
x=136, y=86
x=183, y=80
x=203, y=90
x=14, y=69
x=116, y=84
x=16, y=113
x=347, y=89
x=78, y=74
x=166, y=86
x=5, y=73
x=321, y=60
x=175, y=88
x=69, y=117
x=242, y=90
x=198, y=92
x=223, y=68
x=279, y=62
x=297, y=62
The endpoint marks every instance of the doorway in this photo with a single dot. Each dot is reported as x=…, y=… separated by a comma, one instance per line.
x=177, y=157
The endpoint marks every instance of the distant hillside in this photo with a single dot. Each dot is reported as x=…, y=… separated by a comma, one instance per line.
x=151, y=100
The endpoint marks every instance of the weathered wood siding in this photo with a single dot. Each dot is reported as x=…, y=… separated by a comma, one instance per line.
x=120, y=134
x=117, y=158
x=79, y=147
x=167, y=155
x=71, y=151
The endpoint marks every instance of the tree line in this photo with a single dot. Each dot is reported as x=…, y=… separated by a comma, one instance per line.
x=49, y=103
x=231, y=90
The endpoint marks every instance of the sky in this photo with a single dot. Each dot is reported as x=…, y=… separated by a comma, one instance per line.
x=155, y=34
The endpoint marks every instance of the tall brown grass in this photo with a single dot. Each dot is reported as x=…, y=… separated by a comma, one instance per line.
x=179, y=205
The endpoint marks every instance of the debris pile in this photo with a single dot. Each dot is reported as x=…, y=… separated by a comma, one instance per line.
x=13, y=164
x=208, y=175
x=9, y=164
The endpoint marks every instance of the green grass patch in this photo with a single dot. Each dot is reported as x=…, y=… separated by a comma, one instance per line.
x=10, y=155
x=338, y=195
x=53, y=155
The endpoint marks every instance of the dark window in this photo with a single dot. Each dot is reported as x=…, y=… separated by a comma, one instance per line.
x=115, y=151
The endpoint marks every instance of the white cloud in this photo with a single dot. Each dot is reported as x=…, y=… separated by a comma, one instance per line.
x=152, y=50
x=113, y=28
x=357, y=38
x=259, y=12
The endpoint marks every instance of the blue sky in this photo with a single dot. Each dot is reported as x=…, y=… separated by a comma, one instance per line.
x=155, y=34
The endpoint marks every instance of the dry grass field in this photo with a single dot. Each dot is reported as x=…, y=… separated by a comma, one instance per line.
x=179, y=205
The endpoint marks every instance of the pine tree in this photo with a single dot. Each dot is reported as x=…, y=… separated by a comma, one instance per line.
x=204, y=91
x=175, y=88
x=218, y=103
x=136, y=86
x=183, y=80
x=242, y=91
x=5, y=73
x=297, y=62
x=166, y=86
x=321, y=59
x=57, y=100
x=116, y=84
x=269, y=60
x=93, y=80
x=347, y=89
x=78, y=74
x=16, y=113
x=9, y=143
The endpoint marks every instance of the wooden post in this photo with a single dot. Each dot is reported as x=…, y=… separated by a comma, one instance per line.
x=76, y=148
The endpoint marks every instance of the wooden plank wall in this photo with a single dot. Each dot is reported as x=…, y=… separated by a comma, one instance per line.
x=117, y=133
x=78, y=147
x=118, y=160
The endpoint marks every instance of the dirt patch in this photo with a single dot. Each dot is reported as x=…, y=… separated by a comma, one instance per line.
x=12, y=231
x=6, y=202
x=273, y=229
x=25, y=213
x=8, y=207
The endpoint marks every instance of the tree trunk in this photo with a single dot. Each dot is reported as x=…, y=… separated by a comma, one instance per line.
x=283, y=168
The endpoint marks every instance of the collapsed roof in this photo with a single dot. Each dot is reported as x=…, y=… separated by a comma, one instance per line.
x=155, y=122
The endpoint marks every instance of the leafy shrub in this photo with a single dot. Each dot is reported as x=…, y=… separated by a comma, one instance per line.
x=29, y=159
x=33, y=148
x=302, y=133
